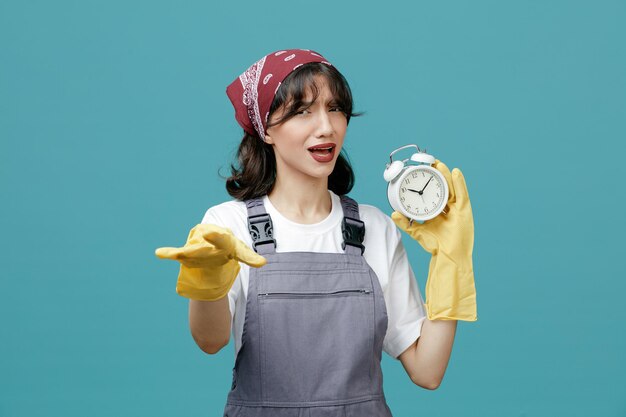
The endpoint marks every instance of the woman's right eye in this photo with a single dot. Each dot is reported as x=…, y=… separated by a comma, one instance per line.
x=301, y=111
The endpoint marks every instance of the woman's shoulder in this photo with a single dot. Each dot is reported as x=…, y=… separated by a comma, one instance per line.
x=382, y=238
x=371, y=213
x=372, y=216
x=377, y=220
x=226, y=213
x=231, y=214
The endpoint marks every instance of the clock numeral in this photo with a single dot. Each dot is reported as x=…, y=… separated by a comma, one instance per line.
x=406, y=180
x=403, y=189
x=402, y=199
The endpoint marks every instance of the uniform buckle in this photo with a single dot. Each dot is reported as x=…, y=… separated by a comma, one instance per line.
x=353, y=231
x=261, y=230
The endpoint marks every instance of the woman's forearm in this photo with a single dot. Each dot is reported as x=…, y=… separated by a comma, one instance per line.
x=209, y=322
x=427, y=359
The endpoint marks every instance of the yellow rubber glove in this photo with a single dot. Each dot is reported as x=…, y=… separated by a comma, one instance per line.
x=209, y=262
x=450, y=290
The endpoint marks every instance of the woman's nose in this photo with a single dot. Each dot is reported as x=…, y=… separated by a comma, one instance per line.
x=325, y=127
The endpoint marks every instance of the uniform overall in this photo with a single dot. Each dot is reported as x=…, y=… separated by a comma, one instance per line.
x=313, y=332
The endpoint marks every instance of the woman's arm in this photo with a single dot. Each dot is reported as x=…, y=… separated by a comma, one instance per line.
x=450, y=290
x=209, y=322
x=426, y=360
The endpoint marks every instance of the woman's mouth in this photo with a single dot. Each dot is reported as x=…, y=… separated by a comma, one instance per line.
x=323, y=153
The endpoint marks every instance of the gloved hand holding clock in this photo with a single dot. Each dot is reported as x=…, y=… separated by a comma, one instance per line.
x=448, y=236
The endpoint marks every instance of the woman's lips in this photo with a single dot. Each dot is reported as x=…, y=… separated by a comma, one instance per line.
x=323, y=153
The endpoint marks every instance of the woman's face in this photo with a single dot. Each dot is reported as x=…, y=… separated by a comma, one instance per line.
x=308, y=144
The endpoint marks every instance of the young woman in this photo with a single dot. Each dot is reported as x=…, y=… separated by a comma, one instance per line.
x=324, y=284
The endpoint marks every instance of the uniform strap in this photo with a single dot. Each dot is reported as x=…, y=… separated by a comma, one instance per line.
x=260, y=227
x=352, y=228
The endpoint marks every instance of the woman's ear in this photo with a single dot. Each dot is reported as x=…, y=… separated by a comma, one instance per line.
x=268, y=139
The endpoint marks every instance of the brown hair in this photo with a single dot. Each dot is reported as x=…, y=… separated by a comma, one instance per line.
x=256, y=171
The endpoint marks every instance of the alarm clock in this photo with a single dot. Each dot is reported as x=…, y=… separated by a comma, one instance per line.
x=416, y=189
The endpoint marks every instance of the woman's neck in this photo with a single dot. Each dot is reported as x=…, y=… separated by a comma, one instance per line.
x=305, y=202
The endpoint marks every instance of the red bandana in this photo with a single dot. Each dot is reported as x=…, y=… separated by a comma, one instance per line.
x=253, y=91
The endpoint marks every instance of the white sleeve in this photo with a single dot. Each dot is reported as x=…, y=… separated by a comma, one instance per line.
x=211, y=217
x=405, y=307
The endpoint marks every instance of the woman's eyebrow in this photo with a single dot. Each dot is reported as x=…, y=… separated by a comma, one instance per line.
x=332, y=101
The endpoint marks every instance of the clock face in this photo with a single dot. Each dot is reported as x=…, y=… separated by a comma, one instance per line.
x=422, y=192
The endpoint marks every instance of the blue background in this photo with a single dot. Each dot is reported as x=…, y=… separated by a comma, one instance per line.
x=113, y=125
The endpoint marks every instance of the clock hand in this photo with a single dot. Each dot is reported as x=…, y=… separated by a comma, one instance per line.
x=419, y=192
x=426, y=185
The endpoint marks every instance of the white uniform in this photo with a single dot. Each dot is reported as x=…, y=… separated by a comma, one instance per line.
x=384, y=252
